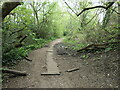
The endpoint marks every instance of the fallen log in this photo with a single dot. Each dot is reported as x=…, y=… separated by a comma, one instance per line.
x=108, y=43
x=98, y=45
x=18, y=73
x=85, y=47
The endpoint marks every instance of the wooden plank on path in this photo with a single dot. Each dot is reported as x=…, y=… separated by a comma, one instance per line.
x=52, y=67
x=71, y=70
x=50, y=73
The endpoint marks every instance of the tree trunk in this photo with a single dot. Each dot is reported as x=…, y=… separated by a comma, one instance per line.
x=7, y=7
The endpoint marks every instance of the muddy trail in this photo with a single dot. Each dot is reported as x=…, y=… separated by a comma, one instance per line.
x=95, y=71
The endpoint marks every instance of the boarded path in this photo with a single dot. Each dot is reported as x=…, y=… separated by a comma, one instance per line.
x=52, y=67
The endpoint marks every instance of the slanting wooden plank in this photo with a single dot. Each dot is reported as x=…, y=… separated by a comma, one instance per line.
x=74, y=69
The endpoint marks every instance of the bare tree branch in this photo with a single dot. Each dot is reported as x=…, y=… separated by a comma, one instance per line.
x=50, y=9
x=104, y=7
x=116, y=12
x=35, y=12
x=70, y=7
x=94, y=17
x=17, y=31
x=70, y=13
x=23, y=38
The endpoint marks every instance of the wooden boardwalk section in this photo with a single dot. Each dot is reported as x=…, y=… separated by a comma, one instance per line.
x=52, y=67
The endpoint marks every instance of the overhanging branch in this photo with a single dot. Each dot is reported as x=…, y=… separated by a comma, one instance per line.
x=7, y=7
x=70, y=7
x=104, y=7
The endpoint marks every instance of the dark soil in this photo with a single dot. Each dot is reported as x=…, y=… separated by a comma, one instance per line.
x=95, y=70
x=100, y=69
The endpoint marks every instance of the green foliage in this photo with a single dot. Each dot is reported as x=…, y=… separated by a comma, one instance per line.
x=88, y=29
x=13, y=55
x=108, y=49
x=75, y=43
x=40, y=24
x=85, y=56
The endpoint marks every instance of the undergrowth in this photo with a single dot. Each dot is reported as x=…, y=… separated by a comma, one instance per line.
x=17, y=54
x=81, y=39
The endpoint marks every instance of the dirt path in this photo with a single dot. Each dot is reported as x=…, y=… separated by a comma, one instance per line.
x=52, y=67
x=86, y=77
x=35, y=68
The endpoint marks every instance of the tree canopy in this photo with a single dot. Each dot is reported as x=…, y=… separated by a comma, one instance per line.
x=30, y=25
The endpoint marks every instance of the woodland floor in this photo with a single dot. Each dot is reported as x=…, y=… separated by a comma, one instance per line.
x=96, y=71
